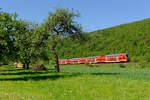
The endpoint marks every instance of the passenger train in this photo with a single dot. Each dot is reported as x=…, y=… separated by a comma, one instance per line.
x=115, y=58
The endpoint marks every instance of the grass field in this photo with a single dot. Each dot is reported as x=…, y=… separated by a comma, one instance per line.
x=76, y=82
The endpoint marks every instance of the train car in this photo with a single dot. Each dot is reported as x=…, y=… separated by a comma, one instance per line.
x=112, y=58
x=62, y=61
x=90, y=60
x=115, y=58
x=123, y=57
x=82, y=60
x=75, y=61
x=100, y=59
x=69, y=61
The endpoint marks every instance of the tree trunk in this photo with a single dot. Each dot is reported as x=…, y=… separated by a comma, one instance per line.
x=27, y=65
x=24, y=66
x=56, y=62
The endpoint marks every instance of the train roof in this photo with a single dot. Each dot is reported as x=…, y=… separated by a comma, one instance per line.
x=112, y=55
x=62, y=59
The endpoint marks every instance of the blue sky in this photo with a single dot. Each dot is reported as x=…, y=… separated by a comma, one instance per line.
x=95, y=14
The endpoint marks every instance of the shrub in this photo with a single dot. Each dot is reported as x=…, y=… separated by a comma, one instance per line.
x=122, y=66
x=39, y=67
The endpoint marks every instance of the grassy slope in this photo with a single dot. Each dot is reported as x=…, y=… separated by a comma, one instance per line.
x=76, y=82
x=132, y=38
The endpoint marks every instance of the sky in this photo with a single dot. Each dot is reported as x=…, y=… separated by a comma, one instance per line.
x=95, y=14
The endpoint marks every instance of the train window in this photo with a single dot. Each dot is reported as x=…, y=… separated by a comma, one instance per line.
x=98, y=58
x=124, y=57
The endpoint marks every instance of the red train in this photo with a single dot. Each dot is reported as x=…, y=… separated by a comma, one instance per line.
x=115, y=58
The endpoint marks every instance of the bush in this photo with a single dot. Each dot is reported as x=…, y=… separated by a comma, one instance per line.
x=122, y=66
x=39, y=67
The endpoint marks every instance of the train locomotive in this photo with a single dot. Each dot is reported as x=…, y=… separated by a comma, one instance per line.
x=115, y=58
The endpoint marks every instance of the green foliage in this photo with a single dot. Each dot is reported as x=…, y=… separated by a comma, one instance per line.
x=7, y=28
x=144, y=64
x=27, y=40
x=18, y=38
x=57, y=27
x=61, y=23
x=132, y=38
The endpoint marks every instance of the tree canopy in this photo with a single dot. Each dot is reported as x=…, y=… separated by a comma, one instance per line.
x=7, y=28
x=26, y=41
x=58, y=25
x=19, y=39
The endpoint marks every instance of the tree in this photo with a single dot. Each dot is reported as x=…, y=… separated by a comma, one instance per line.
x=19, y=40
x=7, y=28
x=59, y=25
x=27, y=42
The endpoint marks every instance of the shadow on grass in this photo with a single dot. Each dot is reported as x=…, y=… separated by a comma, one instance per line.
x=37, y=78
x=12, y=70
x=25, y=73
x=17, y=70
x=51, y=77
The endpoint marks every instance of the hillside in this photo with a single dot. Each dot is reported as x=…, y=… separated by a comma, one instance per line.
x=132, y=38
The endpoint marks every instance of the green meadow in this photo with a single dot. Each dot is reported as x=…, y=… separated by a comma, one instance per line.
x=77, y=82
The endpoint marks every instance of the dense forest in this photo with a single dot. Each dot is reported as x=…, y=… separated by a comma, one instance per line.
x=132, y=38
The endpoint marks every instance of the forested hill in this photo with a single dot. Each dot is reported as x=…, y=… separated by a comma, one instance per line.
x=132, y=38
